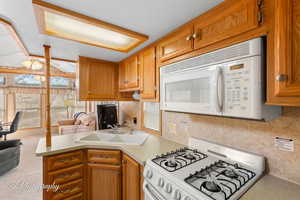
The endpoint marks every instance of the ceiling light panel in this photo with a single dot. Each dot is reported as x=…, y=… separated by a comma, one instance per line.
x=63, y=23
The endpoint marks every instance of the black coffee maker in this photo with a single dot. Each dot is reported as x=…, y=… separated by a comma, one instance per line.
x=107, y=115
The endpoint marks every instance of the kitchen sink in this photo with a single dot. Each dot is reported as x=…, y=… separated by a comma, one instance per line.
x=107, y=137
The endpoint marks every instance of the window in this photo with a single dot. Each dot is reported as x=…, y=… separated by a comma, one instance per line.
x=151, y=116
x=63, y=106
x=27, y=80
x=2, y=106
x=59, y=108
x=30, y=105
x=2, y=80
x=59, y=82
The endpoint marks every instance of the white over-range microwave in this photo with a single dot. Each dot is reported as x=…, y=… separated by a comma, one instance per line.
x=227, y=82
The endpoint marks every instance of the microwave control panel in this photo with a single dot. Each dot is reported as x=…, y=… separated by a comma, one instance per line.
x=237, y=83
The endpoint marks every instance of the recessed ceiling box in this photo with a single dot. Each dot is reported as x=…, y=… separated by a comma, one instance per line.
x=59, y=22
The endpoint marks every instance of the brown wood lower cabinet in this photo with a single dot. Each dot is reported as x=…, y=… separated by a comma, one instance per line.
x=131, y=179
x=93, y=175
x=104, y=182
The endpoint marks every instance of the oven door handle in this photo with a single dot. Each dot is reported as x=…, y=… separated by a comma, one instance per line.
x=152, y=193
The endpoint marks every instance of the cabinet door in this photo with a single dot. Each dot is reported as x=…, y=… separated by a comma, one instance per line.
x=229, y=19
x=131, y=179
x=97, y=79
x=141, y=183
x=287, y=51
x=132, y=73
x=148, y=74
x=178, y=43
x=122, y=76
x=104, y=182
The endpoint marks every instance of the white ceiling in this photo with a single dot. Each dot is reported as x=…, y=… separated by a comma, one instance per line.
x=10, y=53
x=154, y=18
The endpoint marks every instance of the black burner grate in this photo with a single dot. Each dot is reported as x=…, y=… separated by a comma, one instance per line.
x=217, y=174
x=178, y=159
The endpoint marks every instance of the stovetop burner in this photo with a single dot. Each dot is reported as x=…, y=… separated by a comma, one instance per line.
x=178, y=159
x=171, y=162
x=189, y=156
x=230, y=173
x=211, y=186
x=220, y=180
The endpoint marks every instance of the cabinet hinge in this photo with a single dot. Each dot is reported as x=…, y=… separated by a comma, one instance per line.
x=260, y=14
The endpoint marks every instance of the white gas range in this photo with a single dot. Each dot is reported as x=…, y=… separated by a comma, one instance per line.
x=203, y=171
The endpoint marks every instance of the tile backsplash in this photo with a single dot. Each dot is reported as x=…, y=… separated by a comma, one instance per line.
x=253, y=136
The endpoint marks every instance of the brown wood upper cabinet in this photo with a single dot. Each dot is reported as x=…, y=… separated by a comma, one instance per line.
x=131, y=179
x=176, y=44
x=148, y=75
x=286, y=78
x=97, y=79
x=129, y=74
x=226, y=20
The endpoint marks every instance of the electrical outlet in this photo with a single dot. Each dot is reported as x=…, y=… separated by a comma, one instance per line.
x=284, y=144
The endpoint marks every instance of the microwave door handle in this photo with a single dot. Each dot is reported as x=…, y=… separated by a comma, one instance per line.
x=219, y=90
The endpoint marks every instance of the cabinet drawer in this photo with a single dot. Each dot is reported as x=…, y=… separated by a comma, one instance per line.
x=66, y=175
x=67, y=190
x=64, y=160
x=104, y=157
x=76, y=197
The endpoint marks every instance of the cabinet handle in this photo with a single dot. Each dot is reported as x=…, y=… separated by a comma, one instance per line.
x=281, y=77
x=190, y=37
x=196, y=35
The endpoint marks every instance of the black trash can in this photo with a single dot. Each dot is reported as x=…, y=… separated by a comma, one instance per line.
x=9, y=155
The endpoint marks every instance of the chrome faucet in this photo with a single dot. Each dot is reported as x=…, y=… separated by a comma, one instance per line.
x=114, y=127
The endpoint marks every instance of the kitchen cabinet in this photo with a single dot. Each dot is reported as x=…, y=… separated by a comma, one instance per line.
x=67, y=171
x=93, y=174
x=129, y=74
x=122, y=74
x=104, y=182
x=97, y=79
x=141, y=182
x=176, y=44
x=104, y=174
x=284, y=77
x=148, y=75
x=131, y=179
x=228, y=19
x=231, y=19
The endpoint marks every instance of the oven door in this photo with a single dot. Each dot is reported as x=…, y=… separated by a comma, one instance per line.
x=151, y=193
x=193, y=91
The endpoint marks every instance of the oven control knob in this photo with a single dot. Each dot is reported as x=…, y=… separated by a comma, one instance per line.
x=149, y=174
x=177, y=195
x=168, y=188
x=161, y=182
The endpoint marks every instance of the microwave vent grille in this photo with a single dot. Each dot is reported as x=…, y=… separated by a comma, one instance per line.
x=219, y=56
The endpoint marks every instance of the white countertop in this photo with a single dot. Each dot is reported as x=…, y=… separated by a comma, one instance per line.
x=267, y=188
